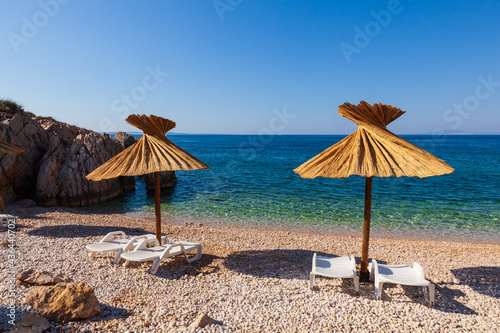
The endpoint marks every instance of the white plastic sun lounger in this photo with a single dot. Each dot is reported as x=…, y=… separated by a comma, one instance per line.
x=110, y=243
x=159, y=252
x=401, y=274
x=339, y=267
x=5, y=218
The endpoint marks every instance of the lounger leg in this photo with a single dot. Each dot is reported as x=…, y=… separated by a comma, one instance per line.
x=356, y=284
x=431, y=294
x=91, y=254
x=156, y=263
x=378, y=289
x=118, y=256
x=311, y=281
x=127, y=262
x=196, y=257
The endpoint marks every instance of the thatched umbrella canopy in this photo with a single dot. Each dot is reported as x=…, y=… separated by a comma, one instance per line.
x=153, y=153
x=7, y=148
x=372, y=151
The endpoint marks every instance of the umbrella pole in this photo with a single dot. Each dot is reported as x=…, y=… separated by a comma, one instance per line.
x=364, y=276
x=158, y=206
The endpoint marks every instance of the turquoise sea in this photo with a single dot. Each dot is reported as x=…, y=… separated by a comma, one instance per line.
x=251, y=181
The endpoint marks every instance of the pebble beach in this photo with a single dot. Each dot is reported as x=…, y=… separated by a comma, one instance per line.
x=254, y=279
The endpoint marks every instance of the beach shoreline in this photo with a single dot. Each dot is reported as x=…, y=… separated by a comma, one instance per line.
x=355, y=230
x=255, y=278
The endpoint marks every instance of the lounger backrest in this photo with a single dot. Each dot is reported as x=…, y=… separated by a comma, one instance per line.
x=111, y=236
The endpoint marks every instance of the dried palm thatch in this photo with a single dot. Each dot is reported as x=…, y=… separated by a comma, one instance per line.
x=7, y=148
x=153, y=153
x=372, y=151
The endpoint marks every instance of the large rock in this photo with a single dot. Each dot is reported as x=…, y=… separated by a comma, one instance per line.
x=55, y=161
x=30, y=277
x=2, y=205
x=25, y=203
x=64, y=301
x=167, y=179
x=125, y=139
x=31, y=322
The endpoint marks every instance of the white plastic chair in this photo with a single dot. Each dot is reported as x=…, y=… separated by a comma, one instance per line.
x=160, y=252
x=5, y=218
x=339, y=267
x=110, y=243
x=401, y=274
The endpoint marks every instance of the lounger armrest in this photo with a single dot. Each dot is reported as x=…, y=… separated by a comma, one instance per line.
x=130, y=244
x=110, y=236
x=353, y=264
x=143, y=244
x=374, y=271
x=419, y=271
x=314, y=261
x=166, y=252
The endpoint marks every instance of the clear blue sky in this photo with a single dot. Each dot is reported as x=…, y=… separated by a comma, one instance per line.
x=233, y=64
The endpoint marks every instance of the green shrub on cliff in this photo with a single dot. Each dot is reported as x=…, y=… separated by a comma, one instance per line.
x=9, y=106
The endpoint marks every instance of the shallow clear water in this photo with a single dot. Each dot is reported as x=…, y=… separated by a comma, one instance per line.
x=251, y=180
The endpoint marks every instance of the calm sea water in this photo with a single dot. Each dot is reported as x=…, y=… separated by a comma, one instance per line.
x=251, y=180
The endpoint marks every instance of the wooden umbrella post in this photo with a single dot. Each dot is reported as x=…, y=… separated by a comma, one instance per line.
x=364, y=276
x=158, y=206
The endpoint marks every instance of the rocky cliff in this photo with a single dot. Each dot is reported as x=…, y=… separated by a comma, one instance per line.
x=55, y=161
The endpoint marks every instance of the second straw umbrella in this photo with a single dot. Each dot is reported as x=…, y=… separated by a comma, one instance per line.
x=372, y=151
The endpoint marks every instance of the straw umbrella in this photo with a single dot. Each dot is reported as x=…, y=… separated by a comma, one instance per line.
x=7, y=148
x=153, y=153
x=372, y=151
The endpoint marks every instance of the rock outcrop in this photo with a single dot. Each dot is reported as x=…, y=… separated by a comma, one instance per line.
x=71, y=155
x=19, y=172
x=55, y=161
x=167, y=179
x=64, y=301
x=125, y=139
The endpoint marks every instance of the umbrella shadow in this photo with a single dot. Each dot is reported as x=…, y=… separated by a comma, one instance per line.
x=446, y=298
x=177, y=268
x=277, y=263
x=483, y=279
x=18, y=226
x=447, y=301
x=285, y=264
x=74, y=230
